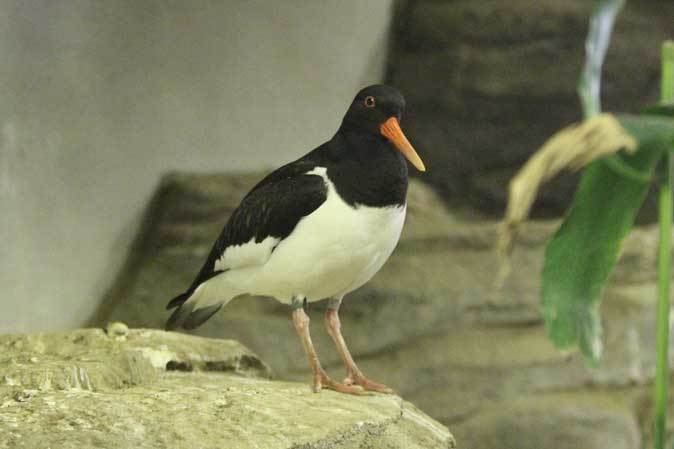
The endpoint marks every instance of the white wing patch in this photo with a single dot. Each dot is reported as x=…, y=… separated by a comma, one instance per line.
x=247, y=254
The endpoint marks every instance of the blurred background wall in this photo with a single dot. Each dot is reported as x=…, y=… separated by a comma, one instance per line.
x=99, y=98
x=488, y=81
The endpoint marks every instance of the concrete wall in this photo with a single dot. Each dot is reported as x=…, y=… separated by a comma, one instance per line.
x=98, y=99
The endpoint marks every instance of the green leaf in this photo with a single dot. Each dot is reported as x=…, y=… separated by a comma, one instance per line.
x=659, y=109
x=649, y=130
x=582, y=253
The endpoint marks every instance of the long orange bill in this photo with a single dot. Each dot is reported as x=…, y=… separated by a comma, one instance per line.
x=391, y=130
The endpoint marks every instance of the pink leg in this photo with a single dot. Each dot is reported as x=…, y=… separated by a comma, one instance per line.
x=321, y=379
x=353, y=375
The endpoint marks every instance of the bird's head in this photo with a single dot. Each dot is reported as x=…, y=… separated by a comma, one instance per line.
x=377, y=110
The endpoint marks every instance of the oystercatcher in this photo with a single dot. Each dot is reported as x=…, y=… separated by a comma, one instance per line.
x=316, y=228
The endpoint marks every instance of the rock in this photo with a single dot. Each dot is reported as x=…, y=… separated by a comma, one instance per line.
x=90, y=359
x=488, y=82
x=551, y=422
x=460, y=372
x=206, y=410
x=222, y=400
x=117, y=329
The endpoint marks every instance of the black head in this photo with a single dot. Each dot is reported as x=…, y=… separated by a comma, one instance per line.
x=377, y=111
x=372, y=106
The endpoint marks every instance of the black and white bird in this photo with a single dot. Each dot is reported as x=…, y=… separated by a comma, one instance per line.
x=316, y=228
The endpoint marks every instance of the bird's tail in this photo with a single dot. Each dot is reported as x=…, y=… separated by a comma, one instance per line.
x=195, y=308
x=178, y=300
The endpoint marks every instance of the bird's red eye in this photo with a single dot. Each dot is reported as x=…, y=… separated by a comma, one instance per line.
x=369, y=101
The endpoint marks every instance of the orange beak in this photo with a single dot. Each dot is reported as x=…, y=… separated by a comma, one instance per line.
x=391, y=130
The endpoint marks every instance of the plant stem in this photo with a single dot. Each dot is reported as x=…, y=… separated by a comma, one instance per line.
x=596, y=44
x=662, y=325
x=667, y=80
x=664, y=262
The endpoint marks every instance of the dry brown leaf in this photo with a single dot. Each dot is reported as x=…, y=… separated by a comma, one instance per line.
x=572, y=148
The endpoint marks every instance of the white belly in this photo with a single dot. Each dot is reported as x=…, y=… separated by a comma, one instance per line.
x=331, y=252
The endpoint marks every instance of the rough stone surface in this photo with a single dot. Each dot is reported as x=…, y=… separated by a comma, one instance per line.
x=488, y=81
x=552, y=422
x=150, y=389
x=90, y=359
x=430, y=324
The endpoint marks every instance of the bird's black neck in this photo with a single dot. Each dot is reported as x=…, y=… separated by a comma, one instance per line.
x=366, y=169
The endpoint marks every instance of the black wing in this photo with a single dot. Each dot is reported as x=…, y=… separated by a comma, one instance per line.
x=271, y=209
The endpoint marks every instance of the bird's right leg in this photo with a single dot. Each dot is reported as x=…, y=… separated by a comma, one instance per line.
x=354, y=375
x=321, y=379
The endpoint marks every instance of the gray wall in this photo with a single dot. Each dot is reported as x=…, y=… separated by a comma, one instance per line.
x=98, y=99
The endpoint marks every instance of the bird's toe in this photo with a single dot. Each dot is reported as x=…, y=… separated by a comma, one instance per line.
x=342, y=388
x=367, y=384
x=325, y=381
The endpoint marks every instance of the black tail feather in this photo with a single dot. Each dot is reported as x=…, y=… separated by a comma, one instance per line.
x=178, y=300
x=178, y=317
x=187, y=317
x=199, y=316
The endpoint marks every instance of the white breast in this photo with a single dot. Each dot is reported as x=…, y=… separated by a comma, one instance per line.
x=330, y=253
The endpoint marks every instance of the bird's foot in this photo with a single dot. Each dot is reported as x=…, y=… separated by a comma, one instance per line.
x=359, y=379
x=322, y=380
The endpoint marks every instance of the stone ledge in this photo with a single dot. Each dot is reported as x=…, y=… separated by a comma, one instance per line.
x=88, y=388
x=93, y=359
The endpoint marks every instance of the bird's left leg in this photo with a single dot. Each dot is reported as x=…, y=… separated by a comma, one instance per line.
x=353, y=374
